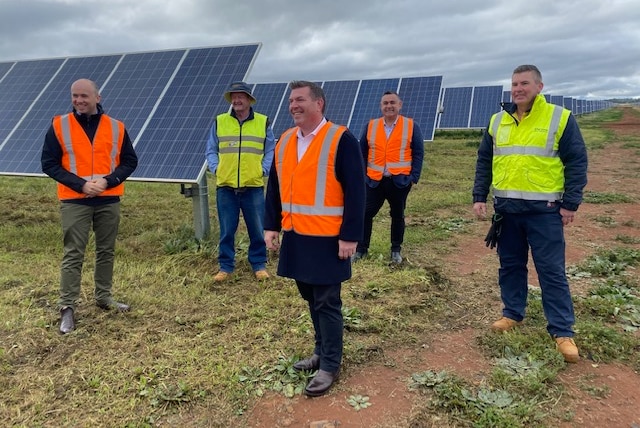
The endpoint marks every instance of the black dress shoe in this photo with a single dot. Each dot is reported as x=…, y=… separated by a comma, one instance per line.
x=312, y=363
x=120, y=307
x=67, y=324
x=321, y=383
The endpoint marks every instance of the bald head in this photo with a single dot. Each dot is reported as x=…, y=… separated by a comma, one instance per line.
x=85, y=96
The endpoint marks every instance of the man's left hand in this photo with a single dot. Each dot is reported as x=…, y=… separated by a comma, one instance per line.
x=346, y=249
x=567, y=216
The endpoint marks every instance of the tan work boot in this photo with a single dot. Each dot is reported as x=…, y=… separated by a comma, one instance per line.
x=504, y=324
x=567, y=347
x=262, y=275
x=221, y=276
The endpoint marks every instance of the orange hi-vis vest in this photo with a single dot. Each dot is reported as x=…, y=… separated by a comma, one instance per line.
x=86, y=159
x=394, y=153
x=312, y=197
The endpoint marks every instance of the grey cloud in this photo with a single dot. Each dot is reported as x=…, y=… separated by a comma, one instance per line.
x=583, y=47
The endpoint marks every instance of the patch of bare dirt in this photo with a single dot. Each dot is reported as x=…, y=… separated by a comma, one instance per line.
x=597, y=395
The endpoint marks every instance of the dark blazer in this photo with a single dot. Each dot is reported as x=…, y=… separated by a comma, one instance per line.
x=314, y=259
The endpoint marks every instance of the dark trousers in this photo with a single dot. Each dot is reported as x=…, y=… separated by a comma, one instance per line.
x=77, y=221
x=325, y=307
x=397, y=198
x=544, y=233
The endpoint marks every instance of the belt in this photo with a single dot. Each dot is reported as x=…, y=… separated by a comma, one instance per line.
x=235, y=189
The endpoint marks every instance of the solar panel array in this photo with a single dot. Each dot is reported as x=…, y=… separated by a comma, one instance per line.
x=354, y=102
x=167, y=100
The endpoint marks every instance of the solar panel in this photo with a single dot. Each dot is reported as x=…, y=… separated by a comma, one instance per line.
x=557, y=100
x=21, y=153
x=367, y=104
x=270, y=99
x=506, y=96
x=4, y=68
x=486, y=102
x=340, y=96
x=167, y=100
x=567, y=102
x=420, y=97
x=173, y=144
x=19, y=89
x=456, y=104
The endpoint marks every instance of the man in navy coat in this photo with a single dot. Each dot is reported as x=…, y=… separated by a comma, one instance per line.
x=316, y=196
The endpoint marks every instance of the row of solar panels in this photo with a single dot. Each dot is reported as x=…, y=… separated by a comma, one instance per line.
x=354, y=102
x=168, y=99
x=577, y=106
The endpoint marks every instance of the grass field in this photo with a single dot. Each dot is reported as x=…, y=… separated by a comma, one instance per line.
x=195, y=353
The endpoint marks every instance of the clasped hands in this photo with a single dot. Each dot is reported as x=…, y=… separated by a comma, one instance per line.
x=93, y=188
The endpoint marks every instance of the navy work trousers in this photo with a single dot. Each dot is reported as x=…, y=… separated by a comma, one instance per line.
x=544, y=234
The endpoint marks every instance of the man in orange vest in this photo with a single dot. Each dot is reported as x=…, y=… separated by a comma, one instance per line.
x=393, y=149
x=90, y=155
x=315, y=195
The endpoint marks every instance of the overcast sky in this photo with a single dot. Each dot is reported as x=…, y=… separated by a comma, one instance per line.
x=585, y=48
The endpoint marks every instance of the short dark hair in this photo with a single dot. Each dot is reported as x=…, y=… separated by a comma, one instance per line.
x=529, y=67
x=392, y=93
x=315, y=90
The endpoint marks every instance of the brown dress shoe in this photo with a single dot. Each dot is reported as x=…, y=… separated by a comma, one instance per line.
x=311, y=363
x=321, y=382
x=67, y=323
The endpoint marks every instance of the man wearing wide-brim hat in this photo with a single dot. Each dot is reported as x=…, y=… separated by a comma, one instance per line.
x=239, y=153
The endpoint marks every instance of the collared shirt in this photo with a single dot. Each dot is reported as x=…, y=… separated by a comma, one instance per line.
x=304, y=142
x=388, y=129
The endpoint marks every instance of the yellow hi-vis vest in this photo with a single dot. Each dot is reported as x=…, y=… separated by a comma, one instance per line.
x=89, y=159
x=525, y=155
x=394, y=152
x=312, y=197
x=240, y=150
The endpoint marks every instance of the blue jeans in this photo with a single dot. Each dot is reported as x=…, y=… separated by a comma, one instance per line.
x=544, y=233
x=249, y=200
